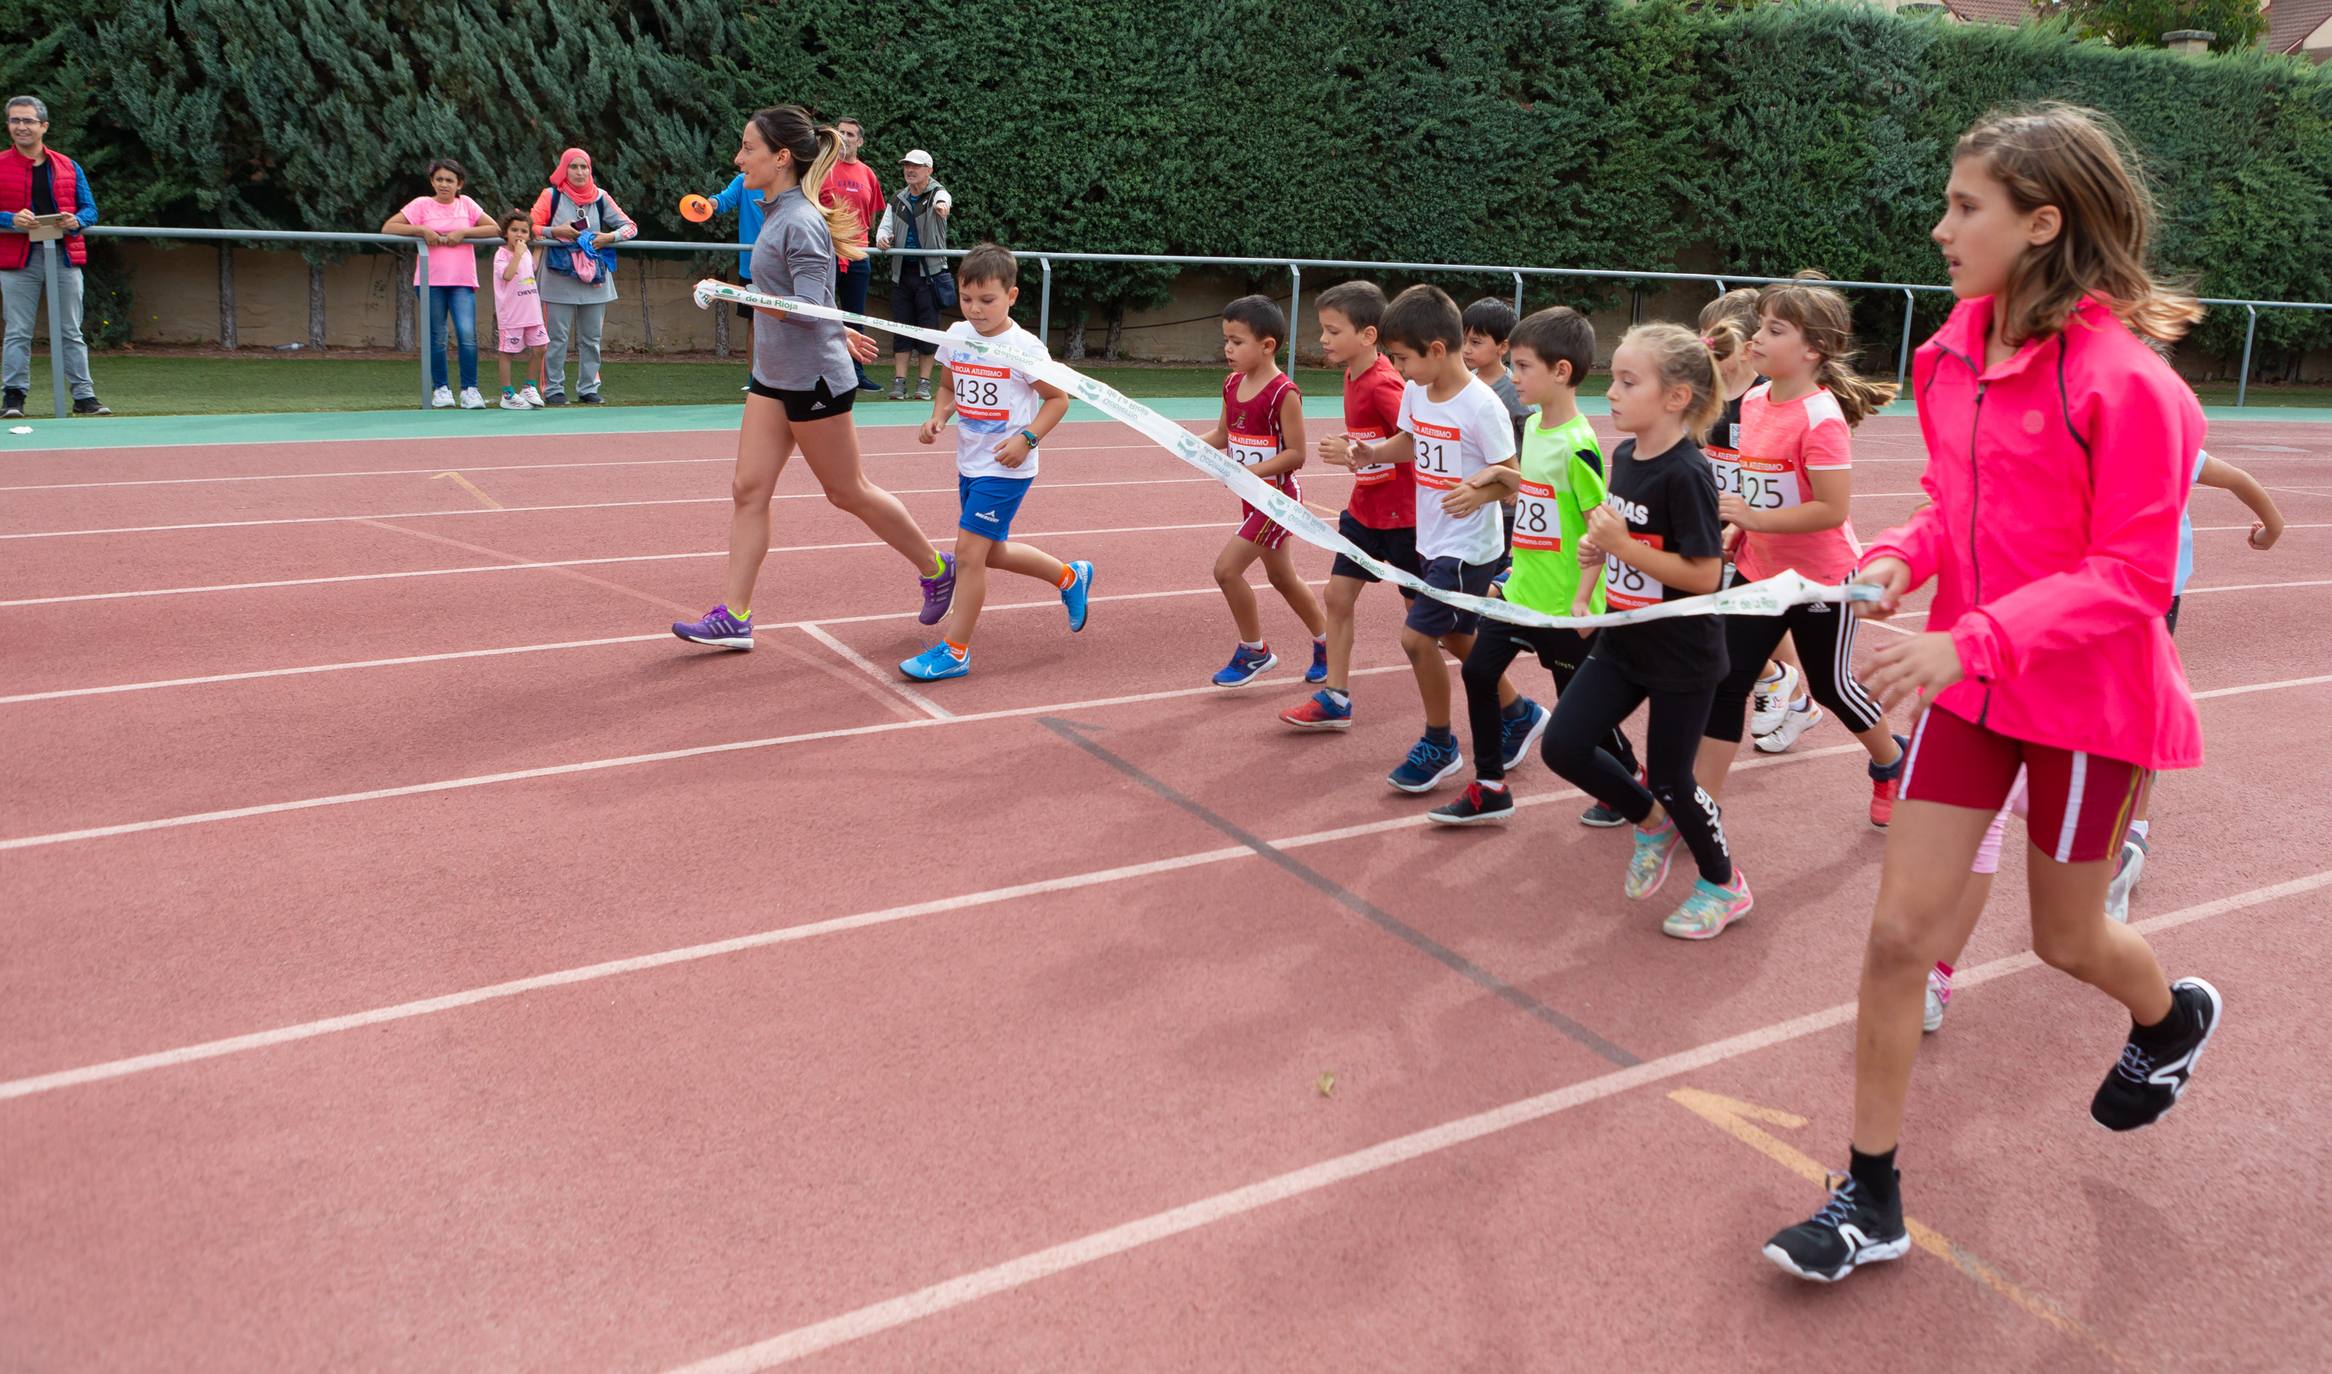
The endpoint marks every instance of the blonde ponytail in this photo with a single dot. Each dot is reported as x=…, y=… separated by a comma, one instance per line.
x=841, y=221
x=1822, y=316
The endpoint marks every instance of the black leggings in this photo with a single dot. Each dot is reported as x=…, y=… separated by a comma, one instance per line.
x=1496, y=647
x=1597, y=700
x=1825, y=638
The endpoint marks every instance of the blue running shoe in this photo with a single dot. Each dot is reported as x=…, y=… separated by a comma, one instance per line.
x=718, y=628
x=1077, y=593
x=1428, y=766
x=1246, y=665
x=1518, y=735
x=936, y=664
x=1318, y=672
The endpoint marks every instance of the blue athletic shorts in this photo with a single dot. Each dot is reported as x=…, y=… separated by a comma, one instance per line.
x=989, y=503
x=1437, y=618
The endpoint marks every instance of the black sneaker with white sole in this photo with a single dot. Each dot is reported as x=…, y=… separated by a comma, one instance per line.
x=1602, y=817
x=11, y=404
x=2157, y=1062
x=90, y=405
x=1474, y=806
x=1846, y=1234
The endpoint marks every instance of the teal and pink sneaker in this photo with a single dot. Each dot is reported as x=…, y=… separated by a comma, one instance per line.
x=1710, y=908
x=1648, y=866
x=718, y=628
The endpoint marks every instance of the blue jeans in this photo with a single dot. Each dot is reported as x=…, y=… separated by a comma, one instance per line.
x=462, y=301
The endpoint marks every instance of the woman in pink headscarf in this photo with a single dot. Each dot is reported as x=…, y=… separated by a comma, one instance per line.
x=578, y=277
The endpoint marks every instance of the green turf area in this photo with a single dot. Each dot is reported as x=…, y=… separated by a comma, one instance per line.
x=148, y=384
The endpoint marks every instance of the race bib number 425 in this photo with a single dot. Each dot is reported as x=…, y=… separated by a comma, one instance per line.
x=1628, y=588
x=1768, y=483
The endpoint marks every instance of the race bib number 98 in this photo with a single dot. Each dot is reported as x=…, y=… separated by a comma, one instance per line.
x=1627, y=588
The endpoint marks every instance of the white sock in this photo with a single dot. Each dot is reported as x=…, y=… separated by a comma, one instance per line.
x=1768, y=679
x=1256, y=647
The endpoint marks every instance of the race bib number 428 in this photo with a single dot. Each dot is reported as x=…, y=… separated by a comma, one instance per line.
x=1535, y=525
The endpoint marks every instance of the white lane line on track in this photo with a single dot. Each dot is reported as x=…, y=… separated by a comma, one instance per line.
x=501, y=467
x=866, y=665
x=549, y=563
x=568, y=506
x=110, y=689
x=698, y=751
x=306, y=1030
x=600, y=765
x=1028, y=1268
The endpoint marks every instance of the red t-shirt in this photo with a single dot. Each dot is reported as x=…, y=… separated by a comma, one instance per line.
x=854, y=184
x=1383, y=497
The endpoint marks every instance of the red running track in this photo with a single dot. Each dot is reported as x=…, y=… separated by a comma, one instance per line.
x=466, y=974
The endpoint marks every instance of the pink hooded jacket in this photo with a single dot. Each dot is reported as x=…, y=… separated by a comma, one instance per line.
x=2057, y=480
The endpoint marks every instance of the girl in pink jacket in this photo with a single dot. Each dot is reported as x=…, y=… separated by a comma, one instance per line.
x=2059, y=454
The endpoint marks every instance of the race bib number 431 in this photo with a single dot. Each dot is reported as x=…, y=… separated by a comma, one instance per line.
x=1437, y=454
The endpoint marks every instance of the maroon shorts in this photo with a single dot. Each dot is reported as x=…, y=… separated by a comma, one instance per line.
x=1260, y=529
x=2078, y=804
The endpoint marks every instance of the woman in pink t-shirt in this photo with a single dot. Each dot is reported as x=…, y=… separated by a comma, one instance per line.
x=447, y=220
x=1790, y=501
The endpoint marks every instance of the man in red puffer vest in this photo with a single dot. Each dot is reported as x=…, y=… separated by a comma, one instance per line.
x=33, y=182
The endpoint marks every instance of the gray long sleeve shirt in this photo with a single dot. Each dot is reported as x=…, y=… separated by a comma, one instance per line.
x=794, y=258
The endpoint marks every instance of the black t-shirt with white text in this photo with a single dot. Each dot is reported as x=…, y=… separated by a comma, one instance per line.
x=1669, y=502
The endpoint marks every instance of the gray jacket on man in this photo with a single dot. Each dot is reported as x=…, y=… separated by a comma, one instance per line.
x=930, y=227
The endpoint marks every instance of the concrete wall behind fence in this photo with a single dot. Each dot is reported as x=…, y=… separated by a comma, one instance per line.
x=175, y=298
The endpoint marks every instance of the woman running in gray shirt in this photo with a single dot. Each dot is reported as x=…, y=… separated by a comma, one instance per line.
x=803, y=382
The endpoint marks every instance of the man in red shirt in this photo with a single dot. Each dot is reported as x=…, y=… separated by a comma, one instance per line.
x=854, y=184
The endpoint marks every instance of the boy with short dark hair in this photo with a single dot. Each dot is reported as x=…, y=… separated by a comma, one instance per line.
x=1561, y=478
x=1453, y=433
x=1381, y=515
x=1002, y=412
x=1262, y=428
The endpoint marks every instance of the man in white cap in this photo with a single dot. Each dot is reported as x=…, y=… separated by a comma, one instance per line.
x=916, y=217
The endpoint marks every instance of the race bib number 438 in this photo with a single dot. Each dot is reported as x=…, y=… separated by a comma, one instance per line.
x=979, y=390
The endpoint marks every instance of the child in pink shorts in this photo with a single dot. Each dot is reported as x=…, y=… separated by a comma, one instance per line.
x=518, y=311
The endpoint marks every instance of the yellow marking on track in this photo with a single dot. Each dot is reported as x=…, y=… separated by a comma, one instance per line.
x=1733, y=1117
x=471, y=487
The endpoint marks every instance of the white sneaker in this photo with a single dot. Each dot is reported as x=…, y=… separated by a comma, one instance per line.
x=471, y=400
x=532, y=397
x=1938, y=999
x=441, y=399
x=513, y=401
x=1794, y=723
x=2125, y=881
x=1771, y=699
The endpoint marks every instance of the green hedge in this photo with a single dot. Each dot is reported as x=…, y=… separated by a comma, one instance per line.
x=1573, y=133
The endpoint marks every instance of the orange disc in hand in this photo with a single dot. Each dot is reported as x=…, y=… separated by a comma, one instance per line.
x=695, y=209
